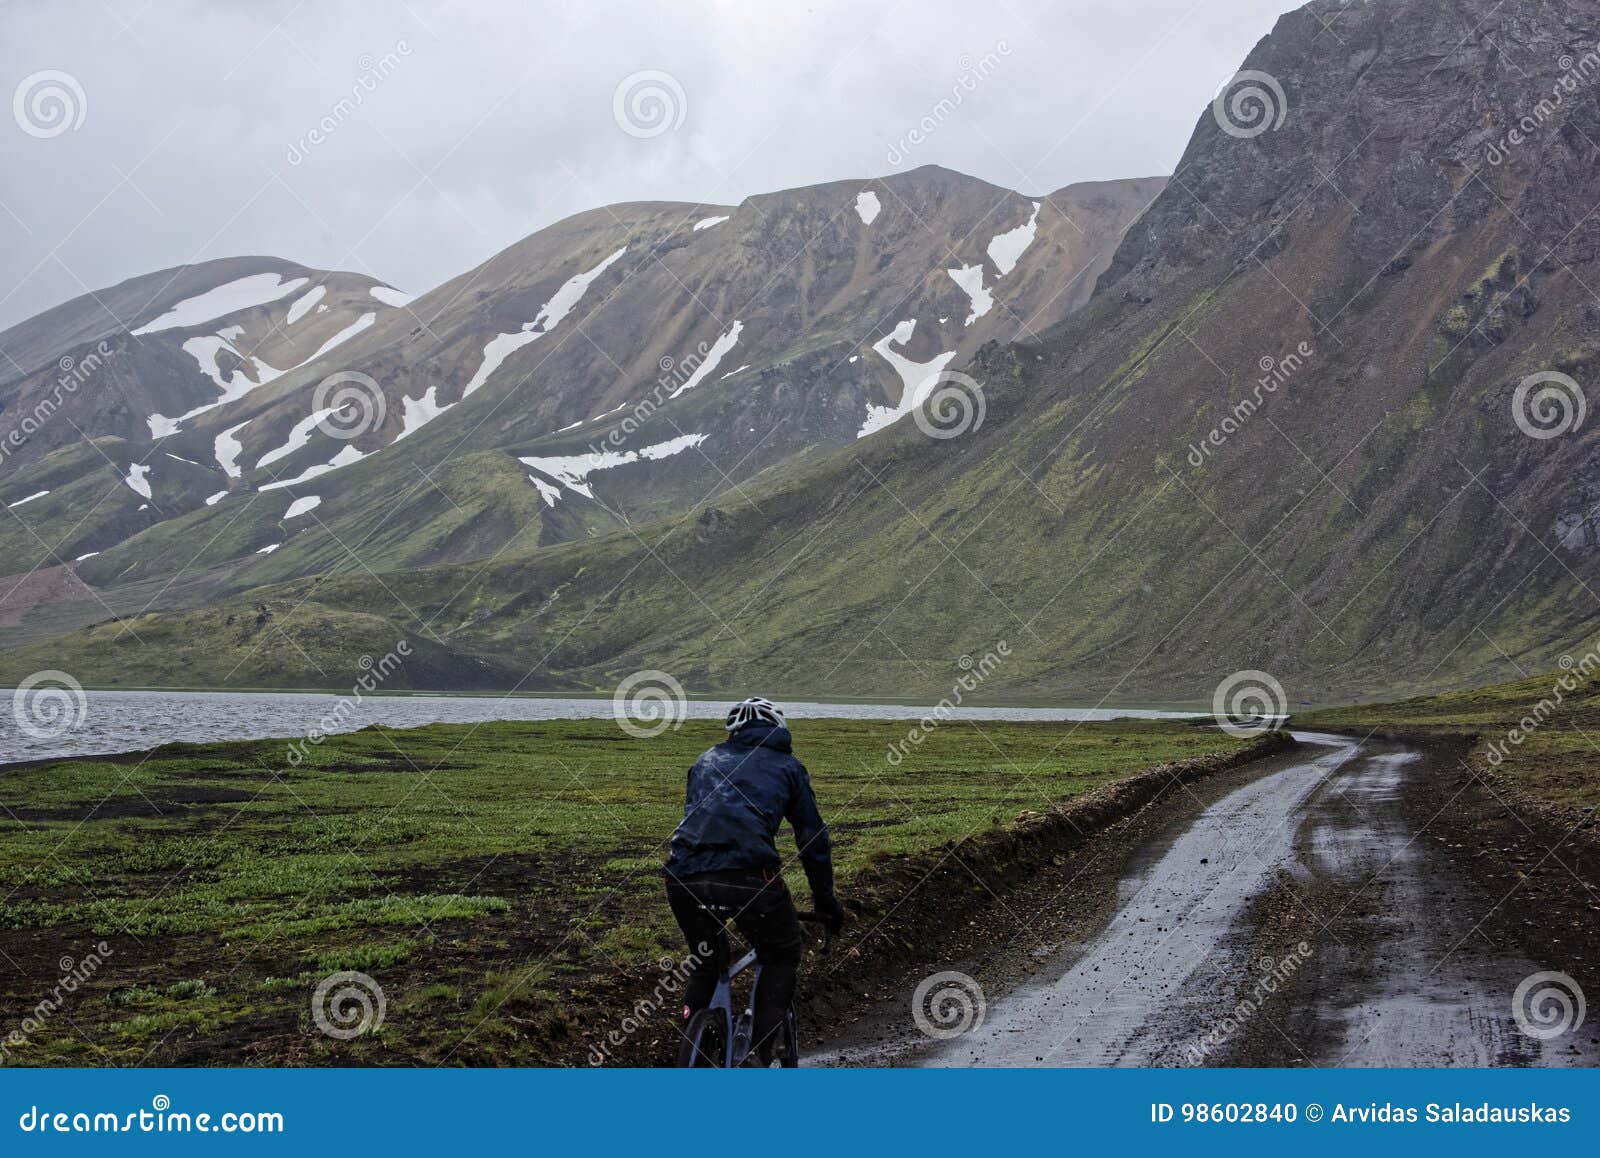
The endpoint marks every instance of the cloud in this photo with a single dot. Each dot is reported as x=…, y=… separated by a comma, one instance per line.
x=458, y=128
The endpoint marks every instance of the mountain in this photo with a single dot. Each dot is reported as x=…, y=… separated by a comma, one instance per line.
x=178, y=342
x=1322, y=418
x=96, y=383
x=617, y=366
x=732, y=337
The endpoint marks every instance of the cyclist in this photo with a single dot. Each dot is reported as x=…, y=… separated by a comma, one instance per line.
x=725, y=858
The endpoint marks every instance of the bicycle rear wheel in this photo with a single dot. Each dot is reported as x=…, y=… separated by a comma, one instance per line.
x=705, y=1041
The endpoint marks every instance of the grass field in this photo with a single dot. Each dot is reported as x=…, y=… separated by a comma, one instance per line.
x=488, y=877
x=1542, y=734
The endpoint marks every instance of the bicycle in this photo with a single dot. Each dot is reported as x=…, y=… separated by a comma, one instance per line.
x=717, y=1037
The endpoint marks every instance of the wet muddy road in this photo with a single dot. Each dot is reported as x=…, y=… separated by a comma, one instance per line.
x=1300, y=919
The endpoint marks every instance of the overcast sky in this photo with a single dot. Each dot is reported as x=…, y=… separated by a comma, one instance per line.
x=467, y=124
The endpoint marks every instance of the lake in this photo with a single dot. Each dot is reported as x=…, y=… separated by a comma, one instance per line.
x=116, y=721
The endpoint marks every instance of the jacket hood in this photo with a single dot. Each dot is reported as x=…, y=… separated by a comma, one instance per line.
x=762, y=736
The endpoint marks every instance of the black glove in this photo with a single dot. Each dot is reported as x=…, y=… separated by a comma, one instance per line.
x=830, y=910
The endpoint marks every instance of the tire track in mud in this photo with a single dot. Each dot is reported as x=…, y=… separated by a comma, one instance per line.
x=1403, y=970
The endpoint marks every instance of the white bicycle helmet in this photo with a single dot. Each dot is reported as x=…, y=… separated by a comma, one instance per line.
x=755, y=710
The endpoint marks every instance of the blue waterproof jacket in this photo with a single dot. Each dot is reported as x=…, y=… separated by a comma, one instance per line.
x=739, y=793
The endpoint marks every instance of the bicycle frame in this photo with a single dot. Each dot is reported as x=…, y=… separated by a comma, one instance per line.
x=739, y=1025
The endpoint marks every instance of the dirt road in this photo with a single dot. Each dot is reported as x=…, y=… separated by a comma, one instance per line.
x=1300, y=919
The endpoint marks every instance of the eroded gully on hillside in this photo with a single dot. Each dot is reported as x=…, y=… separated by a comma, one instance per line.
x=1313, y=875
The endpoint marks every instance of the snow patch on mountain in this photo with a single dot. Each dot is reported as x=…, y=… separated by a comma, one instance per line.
x=867, y=206
x=205, y=350
x=227, y=449
x=302, y=506
x=343, y=336
x=1006, y=249
x=390, y=296
x=302, y=305
x=564, y=299
x=246, y=293
x=550, y=494
x=561, y=303
x=344, y=458
x=495, y=351
x=299, y=436
x=138, y=479
x=420, y=411
x=573, y=470
x=719, y=350
x=917, y=379
x=708, y=222
x=970, y=279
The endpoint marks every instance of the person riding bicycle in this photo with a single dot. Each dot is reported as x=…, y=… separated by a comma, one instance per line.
x=725, y=859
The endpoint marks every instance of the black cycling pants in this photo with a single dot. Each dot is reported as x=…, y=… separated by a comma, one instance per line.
x=764, y=914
